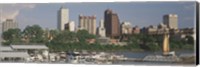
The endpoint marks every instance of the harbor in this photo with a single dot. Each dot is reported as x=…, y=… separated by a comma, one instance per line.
x=88, y=57
x=41, y=54
x=76, y=33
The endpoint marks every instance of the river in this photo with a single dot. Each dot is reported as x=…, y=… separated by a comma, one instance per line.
x=145, y=53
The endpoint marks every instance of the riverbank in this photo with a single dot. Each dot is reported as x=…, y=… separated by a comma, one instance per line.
x=141, y=50
x=188, y=60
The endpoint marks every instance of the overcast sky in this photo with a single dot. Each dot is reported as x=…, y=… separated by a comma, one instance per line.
x=137, y=13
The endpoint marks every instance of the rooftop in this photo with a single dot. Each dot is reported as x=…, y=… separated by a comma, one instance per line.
x=13, y=54
x=29, y=47
x=3, y=48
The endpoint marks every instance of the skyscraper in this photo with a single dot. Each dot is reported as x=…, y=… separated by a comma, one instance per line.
x=88, y=23
x=63, y=18
x=171, y=20
x=111, y=22
x=9, y=24
x=70, y=26
x=126, y=28
x=101, y=29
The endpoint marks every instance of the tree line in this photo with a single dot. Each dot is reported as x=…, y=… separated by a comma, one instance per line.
x=77, y=41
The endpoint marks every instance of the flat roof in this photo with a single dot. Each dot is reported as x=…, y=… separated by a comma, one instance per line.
x=29, y=47
x=3, y=48
x=14, y=54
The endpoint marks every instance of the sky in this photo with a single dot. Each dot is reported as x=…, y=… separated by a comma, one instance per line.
x=141, y=14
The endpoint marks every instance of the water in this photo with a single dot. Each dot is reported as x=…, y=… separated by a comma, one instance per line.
x=145, y=53
x=141, y=55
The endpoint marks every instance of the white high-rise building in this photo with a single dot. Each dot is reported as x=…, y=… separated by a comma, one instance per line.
x=101, y=29
x=126, y=28
x=171, y=20
x=63, y=18
x=9, y=24
x=88, y=23
x=70, y=26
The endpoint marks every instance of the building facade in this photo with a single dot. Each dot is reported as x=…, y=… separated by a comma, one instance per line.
x=101, y=29
x=161, y=28
x=88, y=23
x=111, y=23
x=171, y=20
x=63, y=18
x=136, y=30
x=152, y=30
x=70, y=26
x=126, y=28
x=9, y=24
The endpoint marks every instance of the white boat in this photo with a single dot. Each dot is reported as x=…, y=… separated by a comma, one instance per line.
x=99, y=58
x=76, y=57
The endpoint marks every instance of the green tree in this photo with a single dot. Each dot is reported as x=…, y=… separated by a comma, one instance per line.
x=34, y=34
x=65, y=37
x=154, y=46
x=54, y=33
x=189, y=40
x=134, y=42
x=82, y=35
x=12, y=36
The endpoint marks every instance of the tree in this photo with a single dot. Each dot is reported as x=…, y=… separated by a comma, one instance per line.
x=134, y=41
x=82, y=35
x=65, y=37
x=12, y=36
x=50, y=35
x=174, y=46
x=189, y=40
x=54, y=33
x=154, y=46
x=33, y=34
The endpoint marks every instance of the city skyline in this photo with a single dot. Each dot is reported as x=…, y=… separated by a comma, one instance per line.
x=141, y=14
x=99, y=33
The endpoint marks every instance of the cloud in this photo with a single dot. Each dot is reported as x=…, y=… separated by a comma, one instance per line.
x=11, y=11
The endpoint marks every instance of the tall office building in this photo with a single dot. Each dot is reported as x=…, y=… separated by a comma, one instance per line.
x=63, y=18
x=171, y=20
x=126, y=28
x=101, y=29
x=9, y=24
x=112, y=25
x=88, y=23
x=70, y=26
